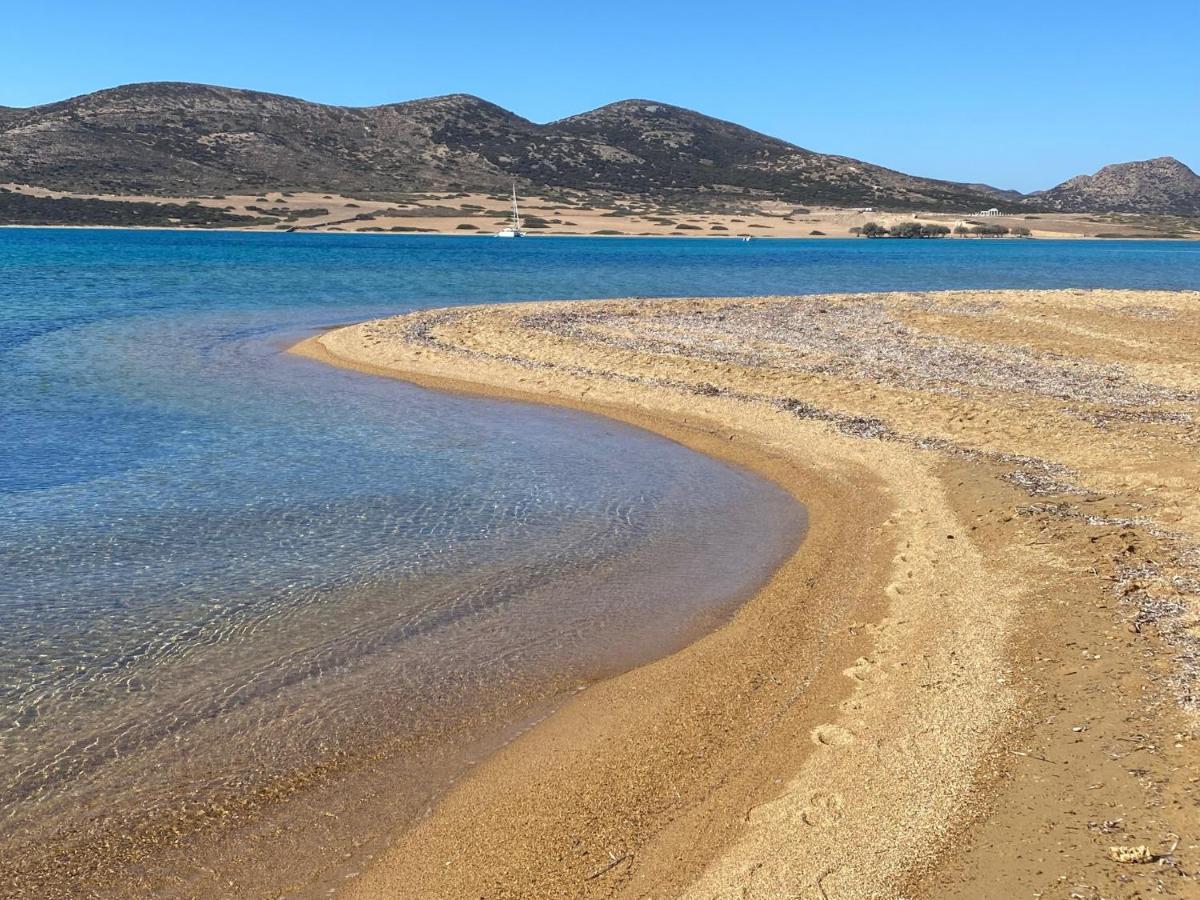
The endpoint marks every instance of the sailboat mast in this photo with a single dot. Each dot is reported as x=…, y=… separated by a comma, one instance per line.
x=516, y=212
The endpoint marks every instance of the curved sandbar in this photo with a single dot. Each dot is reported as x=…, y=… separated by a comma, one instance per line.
x=935, y=695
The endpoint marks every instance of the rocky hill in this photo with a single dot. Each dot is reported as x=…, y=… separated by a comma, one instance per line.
x=648, y=147
x=179, y=139
x=1162, y=185
x=187, y=139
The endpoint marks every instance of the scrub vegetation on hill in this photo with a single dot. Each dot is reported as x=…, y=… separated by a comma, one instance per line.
x=24, y=209
x=172, y=139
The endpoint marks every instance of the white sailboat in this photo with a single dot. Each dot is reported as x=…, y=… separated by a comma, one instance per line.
x=514, y=228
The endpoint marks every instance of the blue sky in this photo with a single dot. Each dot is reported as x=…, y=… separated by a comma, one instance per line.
x=1015, y=94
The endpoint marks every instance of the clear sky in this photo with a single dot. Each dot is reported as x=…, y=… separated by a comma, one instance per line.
x=1012, y=93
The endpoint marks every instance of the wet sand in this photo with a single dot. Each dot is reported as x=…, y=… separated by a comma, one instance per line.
x=975, y=678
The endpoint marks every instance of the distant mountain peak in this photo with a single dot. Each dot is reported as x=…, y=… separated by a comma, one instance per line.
x=656, y=112
x=461, y=100
x=1159, y=185
x=638, y=105
x=1158, y=166
x=1168, y=162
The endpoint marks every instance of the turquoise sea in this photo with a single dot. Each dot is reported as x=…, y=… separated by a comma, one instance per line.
x=231, y=573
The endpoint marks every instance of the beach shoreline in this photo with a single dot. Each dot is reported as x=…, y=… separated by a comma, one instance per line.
x=572, y=729
x=924, y=589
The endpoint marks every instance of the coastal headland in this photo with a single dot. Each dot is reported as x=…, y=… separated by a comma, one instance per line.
x=976, y=677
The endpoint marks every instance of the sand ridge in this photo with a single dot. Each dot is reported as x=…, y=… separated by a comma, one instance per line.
x=997, y=574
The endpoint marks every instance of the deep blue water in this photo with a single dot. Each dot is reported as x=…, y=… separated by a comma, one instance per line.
x=203, y=537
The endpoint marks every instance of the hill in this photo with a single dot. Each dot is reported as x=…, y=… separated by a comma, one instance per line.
x=1163, y=185
x=187, y=140
x=184, y=139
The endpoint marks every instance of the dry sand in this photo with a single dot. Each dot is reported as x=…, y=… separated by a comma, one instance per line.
x=976, y=678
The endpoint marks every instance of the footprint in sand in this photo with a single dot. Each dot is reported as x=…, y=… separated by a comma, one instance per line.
x=832, y=735
x=822, y=809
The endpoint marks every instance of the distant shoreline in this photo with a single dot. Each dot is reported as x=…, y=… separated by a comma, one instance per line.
x=479, y=214
x=542, y=235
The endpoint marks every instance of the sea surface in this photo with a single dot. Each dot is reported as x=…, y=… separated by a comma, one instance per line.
x=231, y=577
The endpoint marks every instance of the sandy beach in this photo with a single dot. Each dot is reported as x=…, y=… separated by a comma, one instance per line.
x=975, y=678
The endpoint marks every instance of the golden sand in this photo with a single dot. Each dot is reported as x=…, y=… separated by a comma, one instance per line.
x=974, y=677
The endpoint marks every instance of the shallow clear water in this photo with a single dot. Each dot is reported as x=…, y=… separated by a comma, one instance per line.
x=223, y=564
